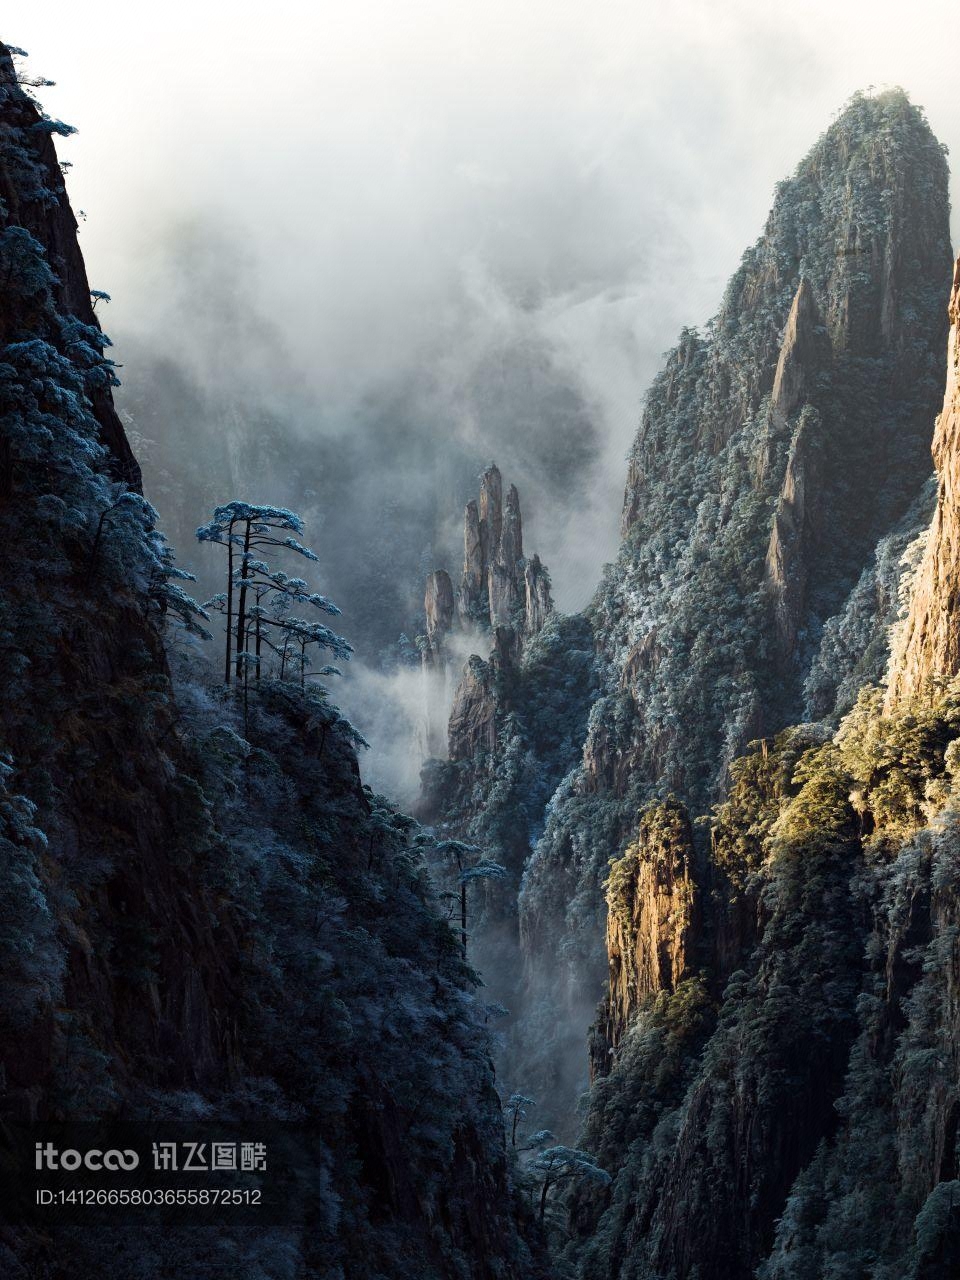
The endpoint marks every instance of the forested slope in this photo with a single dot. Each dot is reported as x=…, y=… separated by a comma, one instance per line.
x=789, y=1108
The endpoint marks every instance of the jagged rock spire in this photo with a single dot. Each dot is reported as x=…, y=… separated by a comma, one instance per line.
x=438, y=605
x=498, y=587
x=499, y=590
x=491, y=512
x=472, y=582
x=538, y=602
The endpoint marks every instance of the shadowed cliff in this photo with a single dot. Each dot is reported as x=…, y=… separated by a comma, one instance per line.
x=204, y=913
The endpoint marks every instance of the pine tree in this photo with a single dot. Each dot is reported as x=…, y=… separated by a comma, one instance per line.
x=245, y=530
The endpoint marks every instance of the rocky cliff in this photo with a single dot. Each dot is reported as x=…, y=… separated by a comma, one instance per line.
x=749, y=559
x=502, y=603
x=653, y=922
x=789, y=1108
x=928, y=644
x=499, y=587
x=204, y=912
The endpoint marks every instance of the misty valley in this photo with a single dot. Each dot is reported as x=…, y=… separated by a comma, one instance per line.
x=419, y=863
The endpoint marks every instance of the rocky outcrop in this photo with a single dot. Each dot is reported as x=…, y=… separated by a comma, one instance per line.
x=438, y=605
x=498, y=587
x=803, y=359
x=500, y=593
x=538, y=604
x=793, y=535
x=505, y=580
x=491, y=513
x=473, y=581
x=510, y=549
x=479, y=700
x=802, y=354
x=928, y=647
x=653, y=917
x=472, y=726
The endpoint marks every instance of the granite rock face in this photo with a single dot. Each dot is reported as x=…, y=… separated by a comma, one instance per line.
x=802, y=353
x=653, y=923
x=438, y=605
x=793, y=534
x=498, y=587
x=928, y=647
x=502, y=596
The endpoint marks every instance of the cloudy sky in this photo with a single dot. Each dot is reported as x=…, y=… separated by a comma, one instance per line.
x=449, y=230
x=588, y=171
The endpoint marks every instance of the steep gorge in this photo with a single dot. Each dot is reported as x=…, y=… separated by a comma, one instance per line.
x=206, y=913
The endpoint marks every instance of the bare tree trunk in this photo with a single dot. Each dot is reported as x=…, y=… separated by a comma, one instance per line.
x=543, y=1199
x=242, y=606
x=463, y=917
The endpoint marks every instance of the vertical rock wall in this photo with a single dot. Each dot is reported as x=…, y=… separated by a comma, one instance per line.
x=653, y=918
x=929, y=644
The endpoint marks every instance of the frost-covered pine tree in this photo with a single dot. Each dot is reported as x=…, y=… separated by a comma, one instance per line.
x=258, y=598
x=467, y=872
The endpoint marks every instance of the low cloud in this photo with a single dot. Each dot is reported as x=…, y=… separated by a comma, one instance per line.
x=359, y=252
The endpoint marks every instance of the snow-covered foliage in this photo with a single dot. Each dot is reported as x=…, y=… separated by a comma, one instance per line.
x=803, y=1118
x=203, y=912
